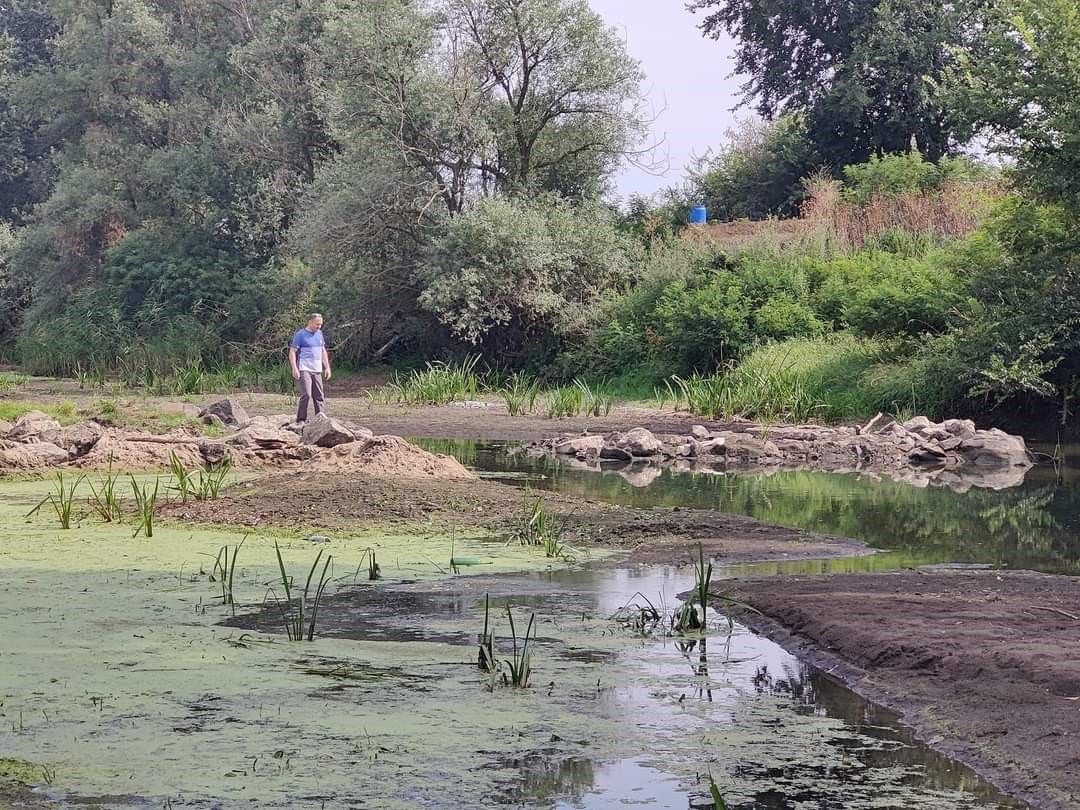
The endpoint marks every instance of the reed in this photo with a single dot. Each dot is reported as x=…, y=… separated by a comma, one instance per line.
x=225, y=570
x=519, y=667
x=306, y=610
x=62, y=500
x=145, y=505
x=104, y=499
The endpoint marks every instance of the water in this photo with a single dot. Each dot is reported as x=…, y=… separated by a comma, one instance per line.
x=1035, y=525
x=654, y=712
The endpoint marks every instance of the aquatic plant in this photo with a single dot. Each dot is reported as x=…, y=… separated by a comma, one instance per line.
x=224, y=570
x=374, y=572
x=595, y=401
x=104, y=500
x=62, y=500
x=714, y=794
x=307, y=607
x=438, y=383
x=145, y=504
x=211, y=479
x=486, y=657
x=183, y=486
x=520, y=394
x=565, y=401
x=520, y=666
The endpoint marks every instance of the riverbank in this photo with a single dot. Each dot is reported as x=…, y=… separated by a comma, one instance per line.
x=978, y=663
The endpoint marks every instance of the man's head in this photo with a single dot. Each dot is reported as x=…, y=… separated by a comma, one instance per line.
x=315, y=322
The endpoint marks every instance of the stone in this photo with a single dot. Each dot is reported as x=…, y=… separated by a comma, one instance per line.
x=964, y=428
x=639, y=442
x=699, y=432
x=580, y=446
x=213, y=452
x=228, y=411
x=32, y=456
x=641, y=475
x=711, y=447
x=76, y=440
x=325, y=431
x=613, y=453
x=263, y=438
x=31, y=425
x=918, y=424
x=5, y=428
x=994, y=449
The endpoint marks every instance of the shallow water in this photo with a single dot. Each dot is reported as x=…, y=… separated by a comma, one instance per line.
x=1035, y=525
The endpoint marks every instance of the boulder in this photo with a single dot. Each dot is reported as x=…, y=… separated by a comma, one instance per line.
x=5, y=428
x=33, y=456
x=928, y=454
x=918, y=424
x=325, y=431
x=213, y=452
x=613, y=453
x=994, y=448
x=711, y=447
x=699, y=432
x=31, y=425
x=963, y=428
x=588, y=446
x=228, y=411
x=262, y=437
x=638, y=442
x=76, y=440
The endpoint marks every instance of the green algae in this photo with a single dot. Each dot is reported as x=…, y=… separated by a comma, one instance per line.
x=117, y=672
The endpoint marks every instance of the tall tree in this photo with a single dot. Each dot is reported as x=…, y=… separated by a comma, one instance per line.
x=865, y=72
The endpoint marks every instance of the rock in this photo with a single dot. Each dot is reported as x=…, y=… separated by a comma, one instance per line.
x=928, y=454
x=580, y=446
x=699, y=432
x=325, y=431
x=639, y=442
x=31, y=425
x=213, y=452
x=918, y=424
x=33, y=456
x=994, y=449
x=964, y=428
x=228, y=411
x=5, y=428
x=76, y=440
x=612, y=453
x=263, y=438
x=711, y=447
x=641, y=475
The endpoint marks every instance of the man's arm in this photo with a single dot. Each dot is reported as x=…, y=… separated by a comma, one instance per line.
x=292, y=362
x=326, y=364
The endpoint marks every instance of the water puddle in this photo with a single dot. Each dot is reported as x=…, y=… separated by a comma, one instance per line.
x=649, y=714
x=1035, y=525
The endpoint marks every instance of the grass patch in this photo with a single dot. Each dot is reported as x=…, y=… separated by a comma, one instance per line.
x=306, y=611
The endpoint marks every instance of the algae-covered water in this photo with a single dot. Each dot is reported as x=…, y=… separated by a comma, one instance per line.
x=125, y=681
x=1035, y=525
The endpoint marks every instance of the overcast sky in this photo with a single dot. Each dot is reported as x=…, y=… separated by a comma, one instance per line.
x=686, y=81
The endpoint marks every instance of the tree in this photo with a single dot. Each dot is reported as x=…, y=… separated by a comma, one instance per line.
x=865, y=73
x=1020, y=83
x=758, y=174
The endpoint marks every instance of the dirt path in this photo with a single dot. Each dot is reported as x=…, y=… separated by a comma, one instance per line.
x=315, y=501
x=983, y=665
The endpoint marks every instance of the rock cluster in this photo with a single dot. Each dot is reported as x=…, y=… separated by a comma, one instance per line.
x=918, y=450
x=38, y=441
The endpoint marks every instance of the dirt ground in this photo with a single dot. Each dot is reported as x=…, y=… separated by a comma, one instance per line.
x=312, y=501
x=983, y=665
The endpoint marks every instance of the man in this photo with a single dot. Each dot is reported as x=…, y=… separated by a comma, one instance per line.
x=310, y=362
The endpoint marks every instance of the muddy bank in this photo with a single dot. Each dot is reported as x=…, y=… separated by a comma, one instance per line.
x=311, y=500
x=953, y=453
x=981, y=664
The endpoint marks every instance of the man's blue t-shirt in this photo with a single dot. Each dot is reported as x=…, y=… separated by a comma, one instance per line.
x=309, y=350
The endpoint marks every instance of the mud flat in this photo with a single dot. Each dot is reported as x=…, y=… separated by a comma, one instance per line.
x=981, y=664
x=308, y=500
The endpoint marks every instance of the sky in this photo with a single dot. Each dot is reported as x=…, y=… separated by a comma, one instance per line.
x=687, y=81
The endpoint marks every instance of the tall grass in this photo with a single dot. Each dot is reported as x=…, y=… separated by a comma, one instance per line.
x=62, y=500
x=145, y=506
x=303, y=615
x=225, y=571
x=104, y=498
x=437, y=383
x=520, y=394
x=519, y=667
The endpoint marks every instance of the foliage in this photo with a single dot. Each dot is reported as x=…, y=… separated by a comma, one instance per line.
x=757, y=174
x=864, y=73
x=510, y=272
x=1018, y=82
x=62, y=500
x=306, y=611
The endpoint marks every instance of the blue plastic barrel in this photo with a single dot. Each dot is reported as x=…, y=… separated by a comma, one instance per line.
x=698, y=215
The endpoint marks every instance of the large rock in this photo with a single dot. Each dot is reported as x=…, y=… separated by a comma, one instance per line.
x=711, y=447
x=325, y=431
x=263, y=437
x=587, y=446
x=699, y=432
x=228, y=411
x=32, y=456
x=994, y=448
x=638, y=442
x=31, y=425
x=77, y=440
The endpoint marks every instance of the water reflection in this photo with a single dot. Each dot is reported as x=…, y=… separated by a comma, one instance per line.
x=1035, y=525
